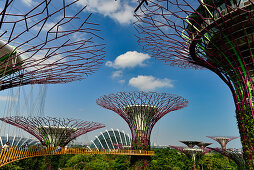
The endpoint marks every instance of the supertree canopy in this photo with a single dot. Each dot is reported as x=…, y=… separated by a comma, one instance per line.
x=141, y=110
x=212, y=34
x=203, y=145
x=190, y=144
x=52, y=132
x=46, y=42
x=222, y=140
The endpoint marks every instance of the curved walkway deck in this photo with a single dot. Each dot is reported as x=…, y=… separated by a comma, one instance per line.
x=13, y=154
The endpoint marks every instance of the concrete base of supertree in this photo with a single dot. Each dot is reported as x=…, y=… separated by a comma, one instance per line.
x=246, y=130
x=140, y=162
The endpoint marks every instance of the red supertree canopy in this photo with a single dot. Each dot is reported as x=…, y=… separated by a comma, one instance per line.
x=52, y=131
x=213, y=34
x=47, y=42
x=141, y=110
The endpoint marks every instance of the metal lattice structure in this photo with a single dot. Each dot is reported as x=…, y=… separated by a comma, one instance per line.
x=212, y=34
x=141, y=110
x=222, y=140
x=53, y=132
x=235, y=155
x=47, y=43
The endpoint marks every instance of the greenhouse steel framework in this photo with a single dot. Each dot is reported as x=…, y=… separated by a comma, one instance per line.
x=141, y=110
x=53, y=132
x=39, y=44
x=111, y=139
x=214, y=34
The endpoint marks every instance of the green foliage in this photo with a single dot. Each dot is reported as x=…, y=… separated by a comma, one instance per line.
x=216, y=161
x=35, y=163
x=246, y=127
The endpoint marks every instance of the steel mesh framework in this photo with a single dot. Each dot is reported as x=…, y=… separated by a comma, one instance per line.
x=222, y=140
x=141, y=110
x=112, y=139
x=53, y=132
x=216, y=35
x=47, y=43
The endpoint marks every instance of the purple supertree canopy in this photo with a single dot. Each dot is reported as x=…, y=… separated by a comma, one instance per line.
x=141, y=110
x=47, y=43
x=52, y=131
x=212, y=34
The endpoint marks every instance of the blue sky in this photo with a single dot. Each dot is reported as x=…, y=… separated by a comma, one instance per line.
x=210, y=111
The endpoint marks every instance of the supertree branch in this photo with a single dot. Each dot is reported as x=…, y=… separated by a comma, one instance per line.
x=216, y=35
x=141, y=110
x=51, y=131
x=47, y=43
x=235, y=155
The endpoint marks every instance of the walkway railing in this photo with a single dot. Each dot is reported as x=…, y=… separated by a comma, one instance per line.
x=13, y=154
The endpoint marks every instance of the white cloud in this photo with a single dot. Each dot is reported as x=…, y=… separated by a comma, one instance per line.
x=129, y=59
x=48, y=27
x=28, y=2
x=121, y=81
x=8, y=98
x=149, y=82
x=124, y=16
x=118, y=73
x=121, y=12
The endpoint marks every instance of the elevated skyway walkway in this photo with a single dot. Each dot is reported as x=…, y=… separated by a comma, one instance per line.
x=13, y=154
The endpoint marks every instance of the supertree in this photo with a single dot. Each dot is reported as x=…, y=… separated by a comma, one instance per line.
x=51, y=131
x=234, y=155
x=212, y=34
x=222, y=140
x=47, y=43
x=141, y=110
x=191, y=151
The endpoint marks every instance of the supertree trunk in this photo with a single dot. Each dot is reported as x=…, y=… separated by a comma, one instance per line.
x=140, y=162
x=140, y=142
